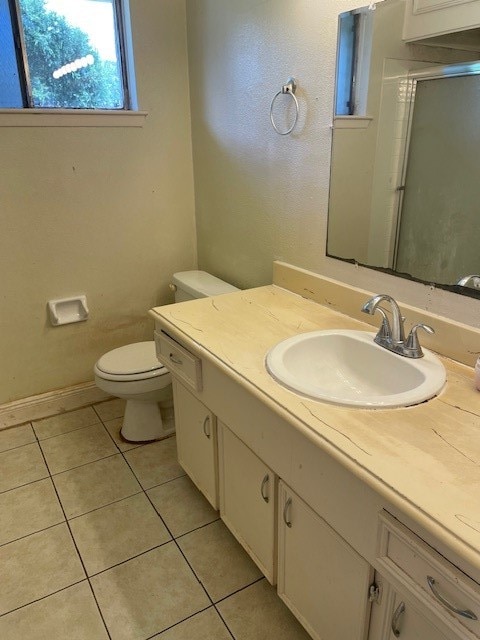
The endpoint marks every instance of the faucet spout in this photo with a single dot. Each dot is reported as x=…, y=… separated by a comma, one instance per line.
x=397, y=331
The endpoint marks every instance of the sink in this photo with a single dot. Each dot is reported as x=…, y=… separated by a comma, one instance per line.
x=348, y=368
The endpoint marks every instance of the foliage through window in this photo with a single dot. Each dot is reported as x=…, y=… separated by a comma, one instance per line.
x=66, y=54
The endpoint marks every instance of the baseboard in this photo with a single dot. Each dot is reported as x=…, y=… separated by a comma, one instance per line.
x=49, y=404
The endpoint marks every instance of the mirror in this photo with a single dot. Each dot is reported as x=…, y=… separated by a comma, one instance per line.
x=405, y=181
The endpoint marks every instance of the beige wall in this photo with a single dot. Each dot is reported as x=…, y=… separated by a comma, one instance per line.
x=108, y=212
x=260, y=196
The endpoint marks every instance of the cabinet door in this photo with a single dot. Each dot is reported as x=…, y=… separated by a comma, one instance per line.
x=397, y=616
x=248, y=499
x=407, y=623
x=427, y=18
x=320, y=577
x=196, y=441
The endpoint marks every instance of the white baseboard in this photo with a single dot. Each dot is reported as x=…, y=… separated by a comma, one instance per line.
x=49, y=404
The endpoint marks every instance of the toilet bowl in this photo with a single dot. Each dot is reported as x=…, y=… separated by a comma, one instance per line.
x=133, y=372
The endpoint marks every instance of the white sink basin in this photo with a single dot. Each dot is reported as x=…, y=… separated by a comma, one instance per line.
x=348, y=368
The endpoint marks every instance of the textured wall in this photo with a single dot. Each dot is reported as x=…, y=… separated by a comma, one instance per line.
x=106, y=212
x=260, y=196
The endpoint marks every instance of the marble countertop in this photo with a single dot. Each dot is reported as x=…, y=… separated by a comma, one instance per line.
x=425, y=458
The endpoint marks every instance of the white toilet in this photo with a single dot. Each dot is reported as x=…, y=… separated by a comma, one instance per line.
x=134, y=373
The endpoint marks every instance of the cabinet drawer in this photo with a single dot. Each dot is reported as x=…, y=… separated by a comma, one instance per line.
x=409, y=563
x=179, y=360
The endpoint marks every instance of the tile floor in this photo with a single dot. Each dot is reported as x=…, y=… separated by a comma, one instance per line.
x=104, y=539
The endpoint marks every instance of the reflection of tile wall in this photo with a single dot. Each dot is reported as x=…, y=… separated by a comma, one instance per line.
x=392, y=132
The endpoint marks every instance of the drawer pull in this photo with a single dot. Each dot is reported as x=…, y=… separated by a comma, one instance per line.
x=206, y=430
x=265, y=482
x=174, y=359
x=287, y=506
x=399, y=611
x=466, y=613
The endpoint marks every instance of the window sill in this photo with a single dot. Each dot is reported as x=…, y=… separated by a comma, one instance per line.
x=351, y=122
x=70, y=118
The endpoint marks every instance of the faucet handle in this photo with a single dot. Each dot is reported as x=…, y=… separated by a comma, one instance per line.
x=385, y=331
x=413, y=344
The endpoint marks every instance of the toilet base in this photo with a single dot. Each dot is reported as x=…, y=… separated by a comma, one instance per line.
x=146, y=421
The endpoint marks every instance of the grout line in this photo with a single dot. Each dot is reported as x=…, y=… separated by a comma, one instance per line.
x=65, y=433
x=42, y=598
x=223, y=620
x=157, y=485
x=201, y=526
x=78, y=554
x=134, y=446
x=213, y=605
x=94, y=407
x=229, y=596
x=18, y=446
x=25, y=484
x=159, y=633
x=173, y=539
x=111, y=437
x=31, y=533
x=238, y=590
x=80, y=515
x=137, y=555
x=85, y=464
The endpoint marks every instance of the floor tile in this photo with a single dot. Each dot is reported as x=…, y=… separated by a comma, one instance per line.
x=16, y=437
x=95, y=485
x=220, y=563
x=28, y=509
x=155, y=463
x=71, y=614
x=65, y=422
x=110, y=409
x=206, y=625
x=113, y=427
x=257, y=613
x=77, y=447
x=148, y=594
x=115, y=533
x=182, y=506
x=20, y=466
x=37, y=566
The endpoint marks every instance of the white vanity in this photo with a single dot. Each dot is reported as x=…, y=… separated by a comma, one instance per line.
x=367, y=521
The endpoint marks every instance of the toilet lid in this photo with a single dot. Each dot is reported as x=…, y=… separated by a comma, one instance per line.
x=139, y=357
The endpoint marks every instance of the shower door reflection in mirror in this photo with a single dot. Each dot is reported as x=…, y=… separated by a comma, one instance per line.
x=405, y=183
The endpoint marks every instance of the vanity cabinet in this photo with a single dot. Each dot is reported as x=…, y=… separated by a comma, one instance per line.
x=428, y=18
x=314, y=528
x=399, y=617
x=321, y=578
x=196, y=428
x=423, y=595
x=248, y=500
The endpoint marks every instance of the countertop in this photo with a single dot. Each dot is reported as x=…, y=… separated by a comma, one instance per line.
x=425, y=458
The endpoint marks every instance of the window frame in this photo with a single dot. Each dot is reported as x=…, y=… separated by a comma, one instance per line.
x=30, y=115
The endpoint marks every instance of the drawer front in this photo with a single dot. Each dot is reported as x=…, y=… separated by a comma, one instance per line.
x=408, y=562
x=179, y=361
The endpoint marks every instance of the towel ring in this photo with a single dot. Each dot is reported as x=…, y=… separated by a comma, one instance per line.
x=288, y=89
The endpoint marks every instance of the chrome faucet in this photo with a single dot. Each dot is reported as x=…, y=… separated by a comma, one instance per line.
x=392, y=337
x=472, y=281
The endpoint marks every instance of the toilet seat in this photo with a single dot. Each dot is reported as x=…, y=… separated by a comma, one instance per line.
x=137, y=361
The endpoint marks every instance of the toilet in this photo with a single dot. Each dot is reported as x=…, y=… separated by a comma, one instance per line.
x=133, y=372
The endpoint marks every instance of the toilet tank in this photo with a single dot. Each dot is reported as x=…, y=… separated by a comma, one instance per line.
x=189, y=285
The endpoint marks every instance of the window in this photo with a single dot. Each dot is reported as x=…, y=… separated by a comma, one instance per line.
x=63, y=54
x=353, y=62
